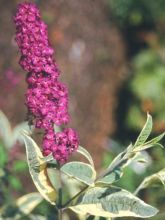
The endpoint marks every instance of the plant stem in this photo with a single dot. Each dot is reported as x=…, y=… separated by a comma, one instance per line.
x=60, y=194
x=111, y=169
x=60, y=214
x=60, y=204
x=70, y=200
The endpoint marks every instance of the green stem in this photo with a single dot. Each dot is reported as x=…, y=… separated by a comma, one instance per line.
x=60, y=195
x=111, y=169
x=74, y=197
x=60, y=214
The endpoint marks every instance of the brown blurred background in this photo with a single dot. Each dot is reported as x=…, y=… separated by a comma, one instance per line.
x=91, y=56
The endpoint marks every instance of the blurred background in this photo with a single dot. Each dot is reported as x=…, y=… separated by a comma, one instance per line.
x=111, y=54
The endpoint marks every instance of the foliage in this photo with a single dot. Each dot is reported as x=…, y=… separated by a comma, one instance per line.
x=149, y=74
x=91, y=194
x=134, y=13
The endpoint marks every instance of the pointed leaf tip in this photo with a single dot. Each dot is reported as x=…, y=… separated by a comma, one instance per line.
x=144, y=134
x=86, y=154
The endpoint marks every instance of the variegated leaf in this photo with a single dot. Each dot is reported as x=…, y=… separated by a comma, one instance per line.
x=38, y=170
x=28, y=202
x=86, y=154
x=111, y=202
x=154, y=178
x=5, y=129
x=144, y=134
x=80, y=171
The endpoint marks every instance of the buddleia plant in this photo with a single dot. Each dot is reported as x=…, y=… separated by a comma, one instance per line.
x=91, y=193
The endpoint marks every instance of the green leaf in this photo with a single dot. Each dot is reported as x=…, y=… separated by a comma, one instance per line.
x=17, y=131
x=28, y=202
x=144, y=134
x=51, y=162
x=111, y=202
x=156, y=139
x=115, y=170
x=154, y=178
x=122, y=159
x=98, y=218
x=86, y=154
x=161, y=176
x=73, y=186
x=117, y=161
x=38, y=170
x=80, y=171
x=147, y=146
x=112, y=177
x=5, y=129
x=37, y=217
x=23, y=206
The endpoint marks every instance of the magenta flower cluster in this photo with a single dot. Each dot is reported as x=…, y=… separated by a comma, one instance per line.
x=46, y=97
x=61, y=143
x=47, y=100
x=32, y=39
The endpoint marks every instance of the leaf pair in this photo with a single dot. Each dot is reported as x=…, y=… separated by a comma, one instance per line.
x=115, y=170
x=141, y=143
